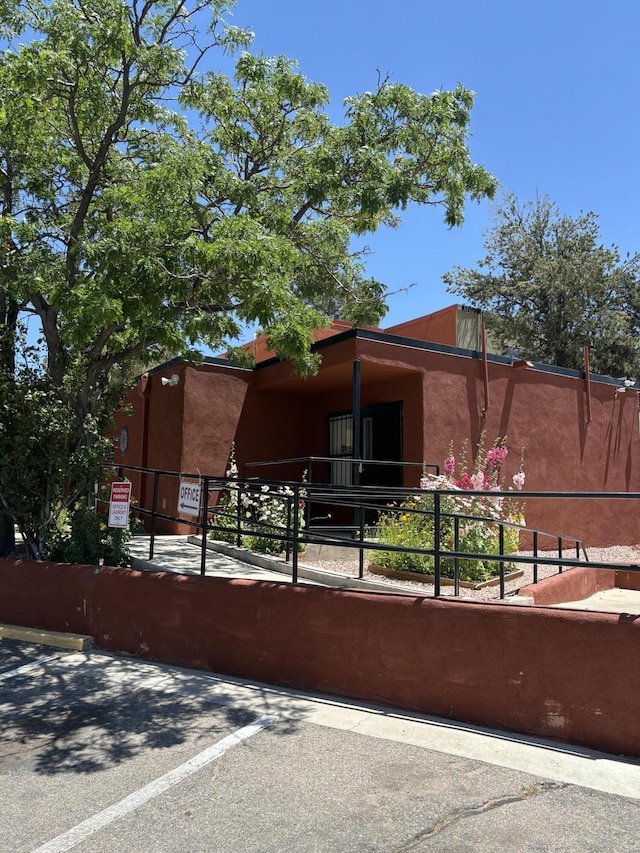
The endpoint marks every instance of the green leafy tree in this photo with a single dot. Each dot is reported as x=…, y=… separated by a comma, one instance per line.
x=149, y=207
x=550, y=288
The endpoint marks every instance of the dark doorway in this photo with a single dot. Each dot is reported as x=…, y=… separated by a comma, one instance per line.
x=381, y=439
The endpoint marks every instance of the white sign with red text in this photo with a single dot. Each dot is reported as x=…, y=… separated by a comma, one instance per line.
x=189, y=498
x=119, y=504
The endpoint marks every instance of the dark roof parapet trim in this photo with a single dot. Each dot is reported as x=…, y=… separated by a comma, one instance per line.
x=207, y=359
x=429, y=346
x=401, y=341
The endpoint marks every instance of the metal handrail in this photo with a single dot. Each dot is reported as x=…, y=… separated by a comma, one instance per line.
x=295, y=535
x=352, y=459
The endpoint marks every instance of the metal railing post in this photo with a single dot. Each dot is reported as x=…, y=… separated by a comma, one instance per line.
x=501, y=540
x=154, y=510
x=535, y=554
x=296, y=527
x=436, y=543
x=361, y=549
x=559, y=553
x=205, y=518
x=307, y=503
x=287, y=544
x=456, y=562
x=239, y=517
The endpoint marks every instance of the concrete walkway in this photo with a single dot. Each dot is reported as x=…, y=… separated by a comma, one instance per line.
x=183, y=554
x=178, y=554
x=608, y=601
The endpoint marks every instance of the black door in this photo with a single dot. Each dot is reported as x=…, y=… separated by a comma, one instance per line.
x=381, y=436
x=381, y=441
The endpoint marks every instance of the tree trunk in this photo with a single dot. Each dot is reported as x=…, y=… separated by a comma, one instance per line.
x=8, y=327
x=7, y=535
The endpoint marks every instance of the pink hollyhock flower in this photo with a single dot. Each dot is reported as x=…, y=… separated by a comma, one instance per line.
x=518, y=479
x=450, y=466
x=496, y=457
x=477, y=480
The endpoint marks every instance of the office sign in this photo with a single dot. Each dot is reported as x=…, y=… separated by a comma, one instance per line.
x=189, y=498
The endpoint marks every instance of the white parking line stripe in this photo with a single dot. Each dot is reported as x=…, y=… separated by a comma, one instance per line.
x=78, y=833
x=27, y=667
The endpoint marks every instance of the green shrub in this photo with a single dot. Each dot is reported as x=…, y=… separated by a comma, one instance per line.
x=411, y=525
x=81, y=535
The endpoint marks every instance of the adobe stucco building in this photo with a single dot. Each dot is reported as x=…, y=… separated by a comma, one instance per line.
x=422, y=385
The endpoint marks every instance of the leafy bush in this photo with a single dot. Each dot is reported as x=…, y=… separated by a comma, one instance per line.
x=405, y=526
x=81, y=535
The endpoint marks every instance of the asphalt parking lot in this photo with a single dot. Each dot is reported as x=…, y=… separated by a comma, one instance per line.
x=104, y=753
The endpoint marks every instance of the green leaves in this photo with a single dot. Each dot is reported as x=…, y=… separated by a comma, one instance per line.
x=132, y=221
x=147, y=207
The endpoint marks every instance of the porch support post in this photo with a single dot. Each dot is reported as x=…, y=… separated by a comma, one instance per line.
x=357, y=450
x=355, y=406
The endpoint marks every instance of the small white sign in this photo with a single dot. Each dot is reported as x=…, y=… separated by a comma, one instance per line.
x=119, y=504
x=189, y=498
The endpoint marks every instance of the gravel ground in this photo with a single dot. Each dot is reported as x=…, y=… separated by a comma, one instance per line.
x=615, y=554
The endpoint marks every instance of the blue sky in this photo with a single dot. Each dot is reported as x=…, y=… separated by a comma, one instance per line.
x=557, y=108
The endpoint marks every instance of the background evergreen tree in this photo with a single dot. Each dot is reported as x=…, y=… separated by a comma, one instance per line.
x=549, y=288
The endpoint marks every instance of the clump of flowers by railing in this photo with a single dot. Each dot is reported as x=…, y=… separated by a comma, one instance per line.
x=411, y=524
x=261, y=509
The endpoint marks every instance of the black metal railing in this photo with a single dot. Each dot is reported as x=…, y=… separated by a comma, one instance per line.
x=310, y=461
x=236, y=519
x=308, y=467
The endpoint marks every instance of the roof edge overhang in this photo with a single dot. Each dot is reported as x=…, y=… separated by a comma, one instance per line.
x=390, y=340
x=458, y=352
x=206, y=360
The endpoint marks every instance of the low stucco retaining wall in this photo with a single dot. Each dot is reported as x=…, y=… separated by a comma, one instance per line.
x=565, y=674
x=577, y=584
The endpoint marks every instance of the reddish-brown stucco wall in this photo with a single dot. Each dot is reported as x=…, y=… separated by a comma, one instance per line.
x=261, y=351
x=275, y=426
x=578, y=584
x=627, y=580
x=573, y=585
x=543, y=415
x=155, y=438
x=135, y=406
x=439, y=327
x=562, y=674
x=185, y=428
x=213, y=408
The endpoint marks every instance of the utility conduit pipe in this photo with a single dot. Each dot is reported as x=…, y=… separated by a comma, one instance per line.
x=587, y=385
x=485, y=370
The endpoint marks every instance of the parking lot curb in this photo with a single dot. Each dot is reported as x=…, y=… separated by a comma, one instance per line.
x=73, y=642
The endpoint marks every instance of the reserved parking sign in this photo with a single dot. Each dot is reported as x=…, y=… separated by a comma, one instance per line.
x=119, y=504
